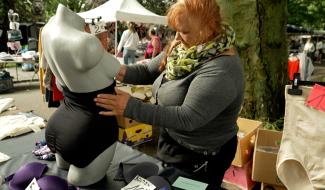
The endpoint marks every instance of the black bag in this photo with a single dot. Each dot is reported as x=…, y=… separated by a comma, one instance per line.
x=6, y=82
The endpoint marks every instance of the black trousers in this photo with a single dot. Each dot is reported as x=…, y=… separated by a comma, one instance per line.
x=206, y=168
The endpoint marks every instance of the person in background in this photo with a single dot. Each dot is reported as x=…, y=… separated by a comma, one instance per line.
x=154, y=45
x=129, y=42
x=198, y=85
x=309, y=48
x=319, y=52
x=111, y=38
x=323, y=51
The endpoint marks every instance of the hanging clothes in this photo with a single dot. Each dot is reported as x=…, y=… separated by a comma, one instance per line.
x=41, y=70
x=57, y=94
x=306, y=67
x=293, y=66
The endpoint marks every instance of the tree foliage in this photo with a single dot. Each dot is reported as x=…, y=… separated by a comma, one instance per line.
x=51, y=5
x=22, y=7
x=158, y=7
x=25, y=10
x=307, y=13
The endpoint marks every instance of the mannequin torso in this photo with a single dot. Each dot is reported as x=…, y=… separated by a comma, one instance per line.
x=76, y=132
x=75, y=57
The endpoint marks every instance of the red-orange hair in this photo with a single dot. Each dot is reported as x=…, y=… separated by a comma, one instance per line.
x=206, y=10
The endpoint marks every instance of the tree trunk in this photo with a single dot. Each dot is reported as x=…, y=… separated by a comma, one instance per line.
x=260, y=26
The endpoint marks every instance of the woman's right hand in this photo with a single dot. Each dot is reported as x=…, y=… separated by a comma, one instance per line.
x=121, y=73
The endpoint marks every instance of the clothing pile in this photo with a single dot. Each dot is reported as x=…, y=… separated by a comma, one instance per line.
x=6, y=103
x=43, y=152
x=21, y=123
x=6, y=57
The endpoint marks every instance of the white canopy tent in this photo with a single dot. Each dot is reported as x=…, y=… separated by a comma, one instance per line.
x=123, y=10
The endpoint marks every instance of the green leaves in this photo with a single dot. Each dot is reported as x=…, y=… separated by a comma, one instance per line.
x=307, y=13
x=158, y=7
x=74, y=5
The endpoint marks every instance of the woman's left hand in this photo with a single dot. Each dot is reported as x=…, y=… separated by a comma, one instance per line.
x=116, y=103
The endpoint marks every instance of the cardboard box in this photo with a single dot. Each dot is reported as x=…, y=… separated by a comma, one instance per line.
x=142, y=92
x=265, y=186
x=125, y=122
x=265, y=155
x=239, y=177
x=136, y=134
x=246, y=137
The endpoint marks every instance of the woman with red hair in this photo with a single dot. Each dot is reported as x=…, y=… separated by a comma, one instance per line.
x=198, y=84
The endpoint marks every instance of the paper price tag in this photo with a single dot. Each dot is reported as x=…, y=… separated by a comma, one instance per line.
x=189, y=184
x=97, y=28
x=33, y=185
x=139, y=183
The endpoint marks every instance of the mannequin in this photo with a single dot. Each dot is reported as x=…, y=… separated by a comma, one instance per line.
x=83, y=140
x=14, y=34
x=13, y=19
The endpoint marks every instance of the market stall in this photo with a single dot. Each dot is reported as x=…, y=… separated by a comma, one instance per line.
x=123, y=10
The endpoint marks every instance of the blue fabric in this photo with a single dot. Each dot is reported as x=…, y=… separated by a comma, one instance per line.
x=129, y=56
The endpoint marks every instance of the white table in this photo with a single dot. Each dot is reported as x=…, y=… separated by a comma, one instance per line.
x=18, y=60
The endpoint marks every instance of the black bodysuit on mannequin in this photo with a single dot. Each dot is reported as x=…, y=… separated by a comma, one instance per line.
x=77, y=132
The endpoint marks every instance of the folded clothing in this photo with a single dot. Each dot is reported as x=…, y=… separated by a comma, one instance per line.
x=6, y=103
x=14, y=125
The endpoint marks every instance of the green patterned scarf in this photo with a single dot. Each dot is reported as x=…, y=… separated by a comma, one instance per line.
x=182, y=61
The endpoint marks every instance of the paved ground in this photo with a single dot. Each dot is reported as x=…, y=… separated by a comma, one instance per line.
x=319, y=73
x=27, y=95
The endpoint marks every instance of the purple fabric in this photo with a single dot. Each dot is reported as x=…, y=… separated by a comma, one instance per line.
x=24, y=175
x=21, y=179
x=54, y=183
